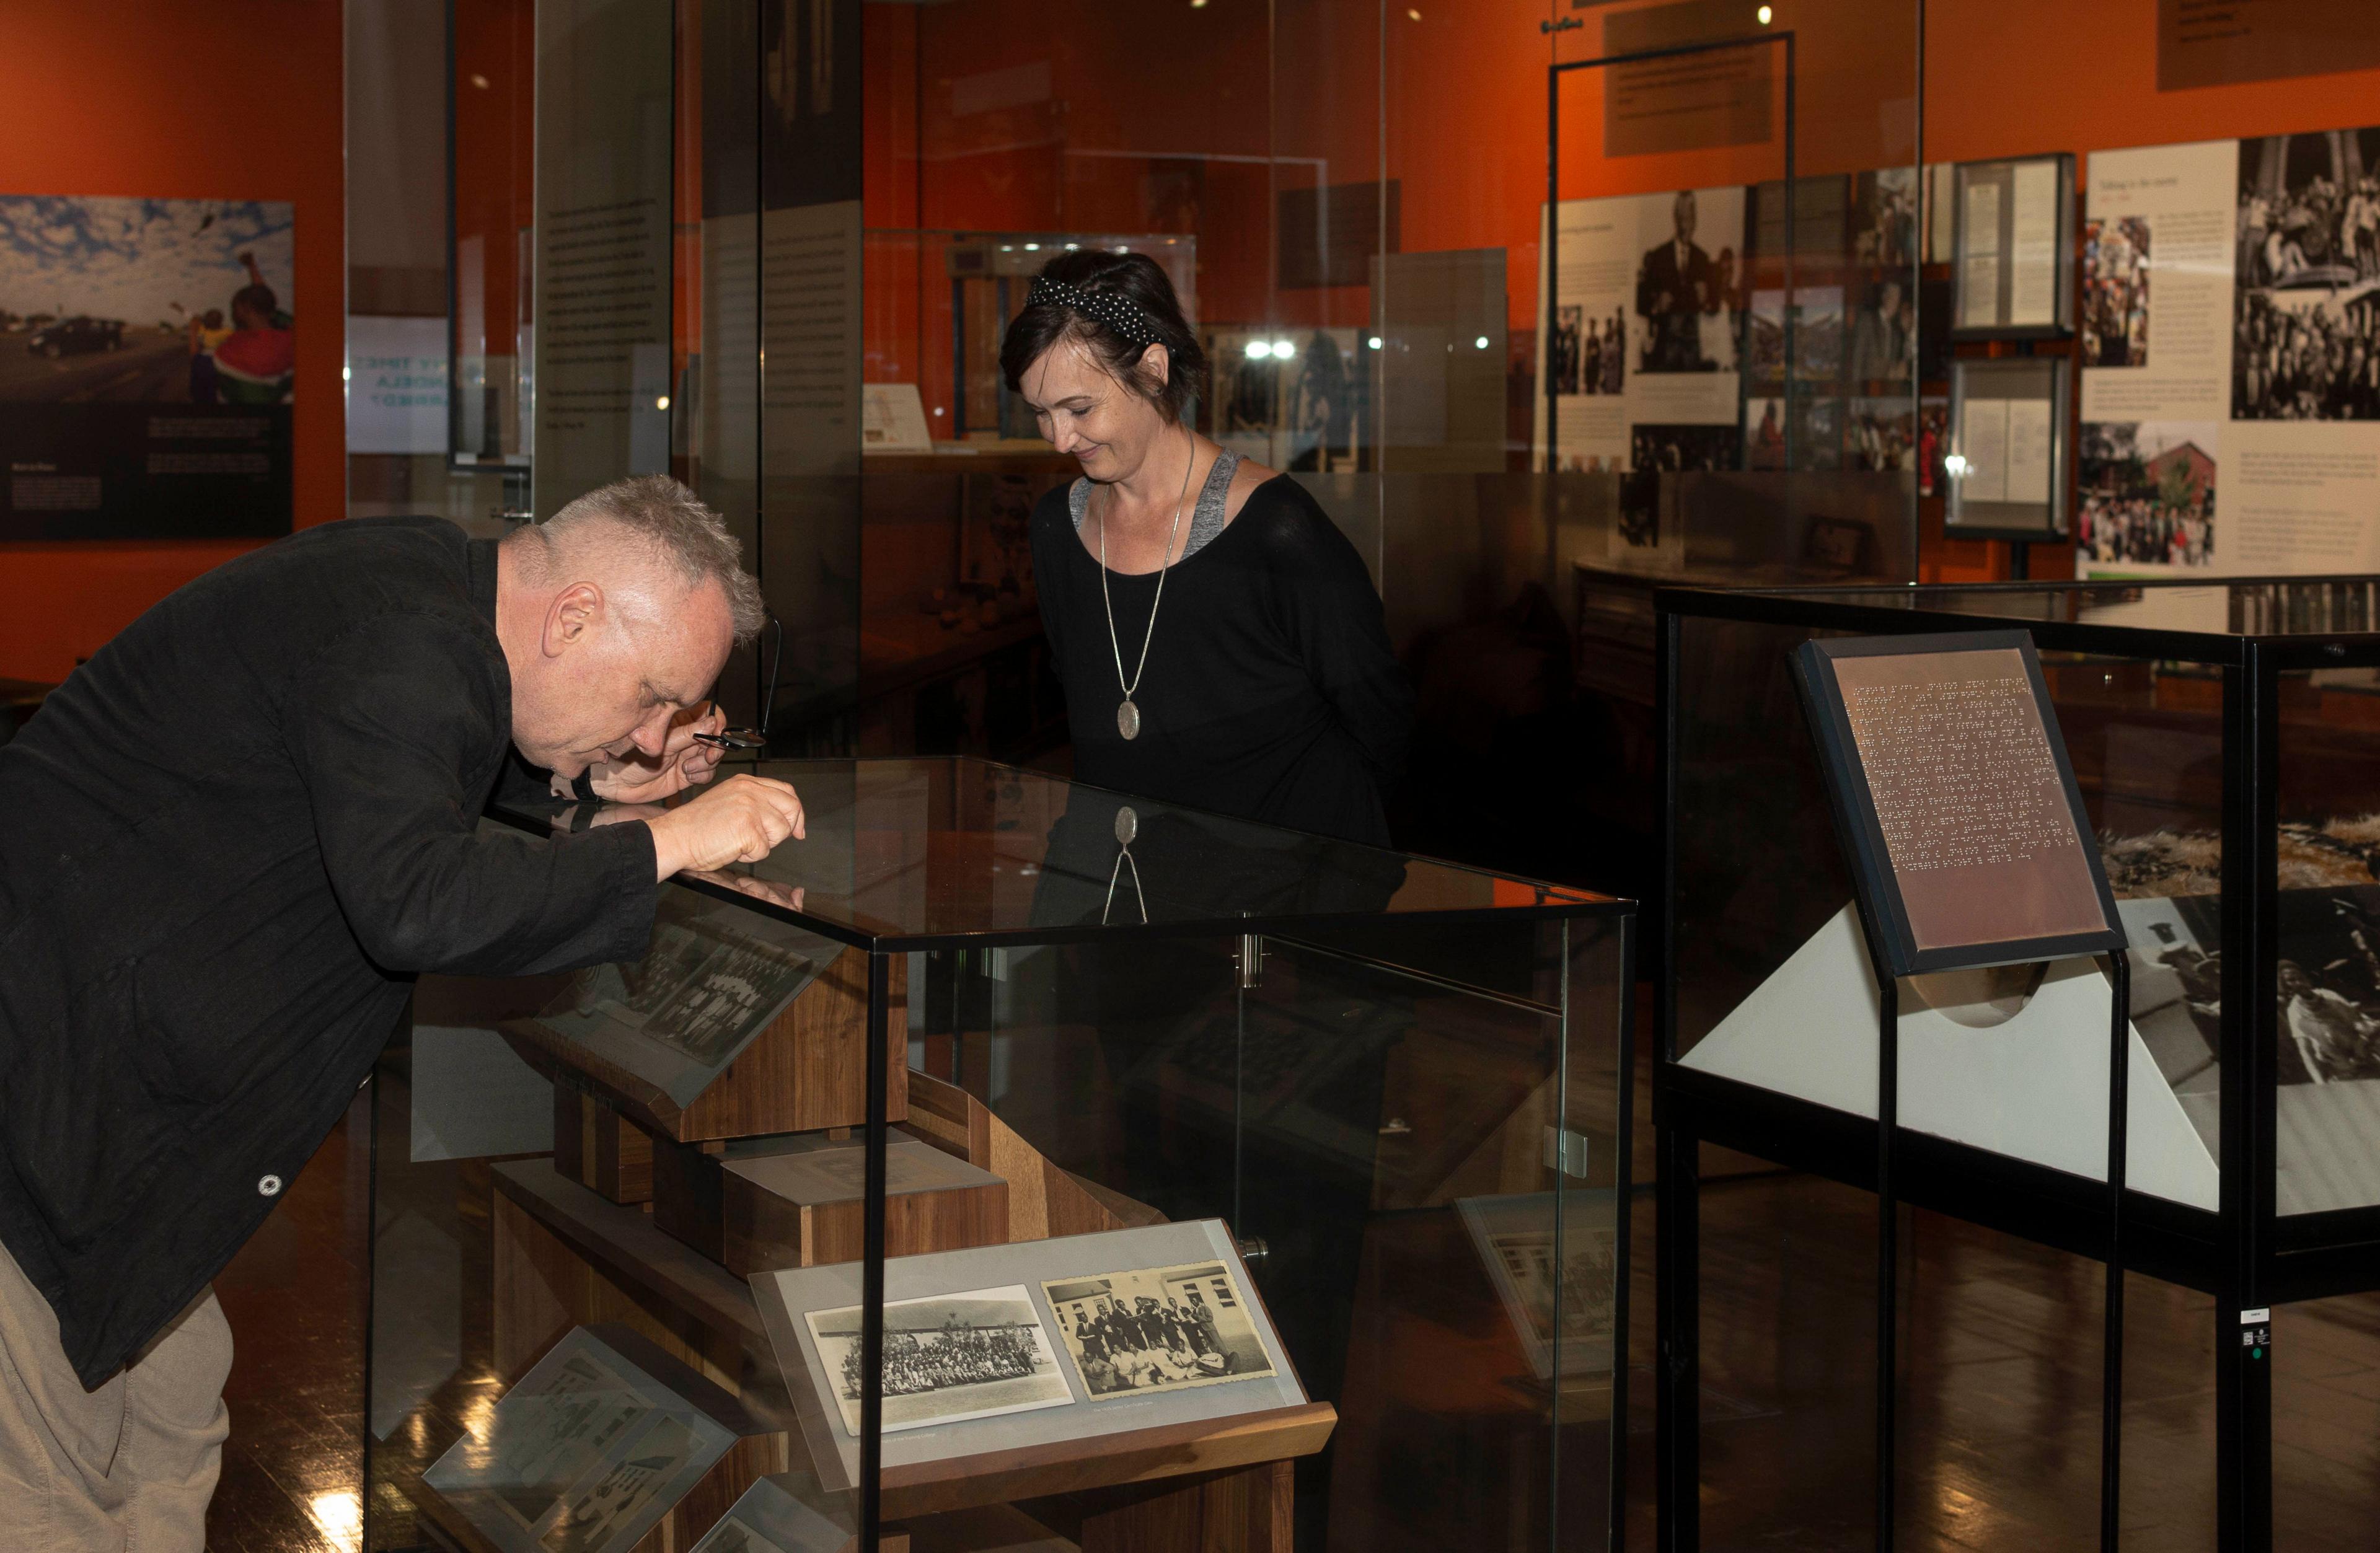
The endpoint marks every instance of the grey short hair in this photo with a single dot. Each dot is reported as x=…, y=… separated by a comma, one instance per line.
x=657, y=514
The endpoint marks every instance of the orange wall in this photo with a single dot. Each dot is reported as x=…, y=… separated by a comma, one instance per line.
x=178, y=100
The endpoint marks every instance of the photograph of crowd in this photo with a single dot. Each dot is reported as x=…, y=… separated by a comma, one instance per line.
x=2305, y=343
x=1587, y=357
x=1688, y=297
x=947, y=1358
x=151, y=301
x=1157, y=1327
x=2116, y=292
x=1883, y=217
x=2148, y=492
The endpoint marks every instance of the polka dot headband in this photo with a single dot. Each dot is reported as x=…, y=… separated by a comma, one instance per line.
x=1100, y=306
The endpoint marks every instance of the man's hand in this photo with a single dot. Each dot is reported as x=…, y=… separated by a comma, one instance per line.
x=740, y=820
x=683, y=763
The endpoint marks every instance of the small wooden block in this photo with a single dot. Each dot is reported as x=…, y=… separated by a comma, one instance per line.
x=755, y=1449
x=762, y=1205
x=599, y=1148
x=1044, y=1200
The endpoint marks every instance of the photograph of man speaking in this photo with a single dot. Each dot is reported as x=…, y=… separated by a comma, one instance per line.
x=230, y=842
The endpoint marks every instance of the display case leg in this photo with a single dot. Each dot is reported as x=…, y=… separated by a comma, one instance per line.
x=2111, y=1364
x=1888, y=1253
x=871, y=1267
x=1677, y=1335
x=2243, y=1429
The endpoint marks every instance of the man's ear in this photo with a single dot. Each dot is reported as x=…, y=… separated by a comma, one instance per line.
x=572, y=617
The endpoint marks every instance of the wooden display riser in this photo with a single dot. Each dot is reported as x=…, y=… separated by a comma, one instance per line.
x=564, y=1256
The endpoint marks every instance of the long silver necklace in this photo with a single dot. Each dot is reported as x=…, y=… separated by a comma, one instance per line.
x=1128, y=714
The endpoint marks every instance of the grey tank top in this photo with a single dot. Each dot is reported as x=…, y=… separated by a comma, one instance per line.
x=1206, y=518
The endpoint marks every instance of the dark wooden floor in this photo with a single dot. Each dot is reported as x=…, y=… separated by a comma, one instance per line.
x=2000, y=1395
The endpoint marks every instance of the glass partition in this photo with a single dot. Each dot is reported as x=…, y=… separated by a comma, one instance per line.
x=1232, y=1179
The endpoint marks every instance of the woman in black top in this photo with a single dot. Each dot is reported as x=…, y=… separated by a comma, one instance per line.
x=1228, y=653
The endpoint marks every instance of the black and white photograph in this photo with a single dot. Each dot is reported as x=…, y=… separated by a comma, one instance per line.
x=947, y=1358
x=1514, y=1237
x=1586, y=355
x=704, y=989
x=1690, y=285
x=2306, y=338
x=1883, y=217
x=1155, y=1328
x=582, y=1456
x=2116, y=292
x=1818, y=433
x=2328, y=985
x=2148, y=492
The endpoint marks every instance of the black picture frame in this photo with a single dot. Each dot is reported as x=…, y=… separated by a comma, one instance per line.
x=1884, y=912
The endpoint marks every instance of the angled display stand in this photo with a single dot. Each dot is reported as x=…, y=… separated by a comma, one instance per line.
x=2224, y=764
x=1145, y=1221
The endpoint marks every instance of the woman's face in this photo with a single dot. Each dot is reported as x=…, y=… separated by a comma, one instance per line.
x=1088, y=414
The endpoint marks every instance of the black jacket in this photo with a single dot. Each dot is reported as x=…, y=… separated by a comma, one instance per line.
x=226, y=847
x=1270, y=692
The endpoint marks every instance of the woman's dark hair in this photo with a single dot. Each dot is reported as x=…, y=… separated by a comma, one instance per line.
x=1137, y=279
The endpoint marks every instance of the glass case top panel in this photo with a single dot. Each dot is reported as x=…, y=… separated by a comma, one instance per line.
x=920, y=850
x=2298, y=607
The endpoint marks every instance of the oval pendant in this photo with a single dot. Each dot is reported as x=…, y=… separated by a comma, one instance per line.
x=1128, y=719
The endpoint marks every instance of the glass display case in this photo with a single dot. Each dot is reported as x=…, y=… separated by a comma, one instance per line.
x=2225, y=738
x=1173, y=1173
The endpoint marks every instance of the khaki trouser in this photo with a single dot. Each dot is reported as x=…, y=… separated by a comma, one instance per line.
x=128, y=1467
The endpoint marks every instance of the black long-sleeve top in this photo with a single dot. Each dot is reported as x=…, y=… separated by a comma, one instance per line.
x=227, y=845
x=1270, y=692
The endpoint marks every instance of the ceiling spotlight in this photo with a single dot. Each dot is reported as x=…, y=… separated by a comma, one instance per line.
x=1033, y=247
x=662, y=403
x=1763, y=15
x=1197, y=5
x=1374, y=342
x=1481, y=342
x=1008, y=248
x=1121, y=249
x=480, y=81
x=1415, y=15
x=1259, y=350
x=1071, y=247
x=1955, y=465
x=1282, y=350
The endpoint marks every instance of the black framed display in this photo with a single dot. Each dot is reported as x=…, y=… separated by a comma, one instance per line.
x=1956, y=800
x=2218, y=1147
x=2010, y=454
x=2013, y=248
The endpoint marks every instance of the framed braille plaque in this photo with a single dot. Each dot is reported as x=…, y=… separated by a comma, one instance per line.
x=1966, y=834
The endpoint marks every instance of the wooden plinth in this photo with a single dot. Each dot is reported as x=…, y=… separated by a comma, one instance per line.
x=703, y=1200
x=805, y=1072
x=599, y=1148
x=759, y=1450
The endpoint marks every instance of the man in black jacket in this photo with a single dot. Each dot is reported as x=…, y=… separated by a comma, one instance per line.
x=228, y=845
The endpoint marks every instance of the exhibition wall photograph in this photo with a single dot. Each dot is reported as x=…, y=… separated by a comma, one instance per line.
x=147, y=363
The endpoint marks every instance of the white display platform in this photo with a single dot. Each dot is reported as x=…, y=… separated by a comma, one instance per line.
x=2033, y=1087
